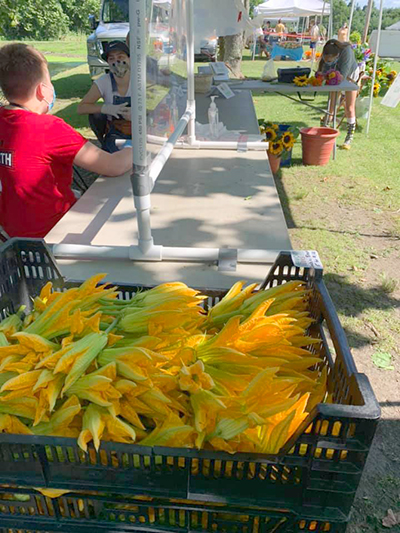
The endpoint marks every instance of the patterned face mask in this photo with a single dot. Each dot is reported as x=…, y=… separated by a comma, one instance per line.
x=119, y=68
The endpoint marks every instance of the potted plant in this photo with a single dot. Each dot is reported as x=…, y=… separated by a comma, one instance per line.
x=281, y=142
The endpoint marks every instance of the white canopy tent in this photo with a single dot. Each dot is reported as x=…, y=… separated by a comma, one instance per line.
x=292, y=8
x=395, y=26
x=165, y=4
x=214, y=18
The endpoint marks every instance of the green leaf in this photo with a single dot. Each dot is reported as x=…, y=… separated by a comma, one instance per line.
x=383, y=360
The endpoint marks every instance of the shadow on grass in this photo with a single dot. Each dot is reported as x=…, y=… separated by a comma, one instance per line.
x=284, y=198
x=74, y=86
x=351, y=300
x=58, y=67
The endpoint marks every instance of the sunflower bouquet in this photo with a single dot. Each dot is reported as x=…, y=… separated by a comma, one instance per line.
x=280, y=141
x=331, y=77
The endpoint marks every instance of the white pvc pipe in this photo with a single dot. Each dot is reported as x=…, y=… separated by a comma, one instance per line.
x=162, y=157
x=158, y=253
x=224, y=145
x=209, y=145
x=137, y=22
x=191, y=102
x=137, y=41
x=378, y=42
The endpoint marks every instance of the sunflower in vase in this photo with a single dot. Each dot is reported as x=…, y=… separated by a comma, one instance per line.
x=281, y=139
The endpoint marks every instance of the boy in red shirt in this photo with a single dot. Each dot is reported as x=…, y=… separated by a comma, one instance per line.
x=37, y=150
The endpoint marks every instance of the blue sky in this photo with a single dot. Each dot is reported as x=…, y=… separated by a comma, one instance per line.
x=386, y=3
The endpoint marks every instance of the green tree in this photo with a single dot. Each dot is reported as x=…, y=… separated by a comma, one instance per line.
x=78, y=12
x=253, y=4
x=341, y=14
x=33, y=19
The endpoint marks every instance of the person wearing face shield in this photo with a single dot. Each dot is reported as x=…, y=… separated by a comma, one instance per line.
x=112, y=120
x=340, y=56
x=38, y=149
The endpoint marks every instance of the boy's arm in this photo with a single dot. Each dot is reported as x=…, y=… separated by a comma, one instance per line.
x=95, y=160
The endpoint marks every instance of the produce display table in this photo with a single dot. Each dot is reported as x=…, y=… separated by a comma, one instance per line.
x=203, y=198
x=259, y=86
x=295, y=54
x=289, y=89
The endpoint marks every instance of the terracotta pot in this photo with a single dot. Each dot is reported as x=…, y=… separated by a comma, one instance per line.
x=317, y=144
x=274, y=162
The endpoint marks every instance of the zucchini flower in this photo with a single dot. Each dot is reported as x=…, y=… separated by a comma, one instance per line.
x=60, y=423
x=98, y=422
x=194, y=378
x=97, y=387
x=12, y=424
x=10, y=325
x=172, y=432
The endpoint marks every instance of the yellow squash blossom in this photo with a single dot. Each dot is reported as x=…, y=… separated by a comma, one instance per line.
x=60, y=423
x=12, y=424
x=10, y=325
x=194, y=378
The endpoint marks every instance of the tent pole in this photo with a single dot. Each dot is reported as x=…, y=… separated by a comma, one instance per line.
x=323, y=13
x=351, y=16
x=378, y=42
x=330, y=27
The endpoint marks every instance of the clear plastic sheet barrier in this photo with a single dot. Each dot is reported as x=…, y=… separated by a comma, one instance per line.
x=166, y=68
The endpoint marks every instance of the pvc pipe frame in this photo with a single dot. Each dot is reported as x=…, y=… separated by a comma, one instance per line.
x=146, y=250
x=159, y=253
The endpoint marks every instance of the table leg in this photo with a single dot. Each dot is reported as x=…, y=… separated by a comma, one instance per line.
x=334, y=120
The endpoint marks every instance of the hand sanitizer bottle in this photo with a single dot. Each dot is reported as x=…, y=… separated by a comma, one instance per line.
x=213, y=117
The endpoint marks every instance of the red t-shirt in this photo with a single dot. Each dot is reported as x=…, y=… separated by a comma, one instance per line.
x=36, y=157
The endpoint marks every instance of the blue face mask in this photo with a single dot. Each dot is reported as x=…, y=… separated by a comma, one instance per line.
x=330, y=63
x=51, y=104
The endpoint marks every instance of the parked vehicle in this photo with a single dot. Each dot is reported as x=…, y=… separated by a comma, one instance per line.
x=208, y=50
x=113, y=25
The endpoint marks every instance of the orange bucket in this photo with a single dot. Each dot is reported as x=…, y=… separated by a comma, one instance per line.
x=317, y=144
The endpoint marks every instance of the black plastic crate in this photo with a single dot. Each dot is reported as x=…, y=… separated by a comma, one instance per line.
x=320, y=467
x=26, y=508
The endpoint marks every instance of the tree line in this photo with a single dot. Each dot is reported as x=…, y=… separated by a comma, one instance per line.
x=51, y=19
x=45, y=19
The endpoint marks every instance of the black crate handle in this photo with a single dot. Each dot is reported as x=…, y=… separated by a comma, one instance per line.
x=284, y=259
x=335, y=327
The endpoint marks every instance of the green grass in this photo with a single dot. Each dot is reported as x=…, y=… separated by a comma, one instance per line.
x=72, y=46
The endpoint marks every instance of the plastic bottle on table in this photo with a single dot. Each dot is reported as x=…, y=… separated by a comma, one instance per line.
x=213, y=117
